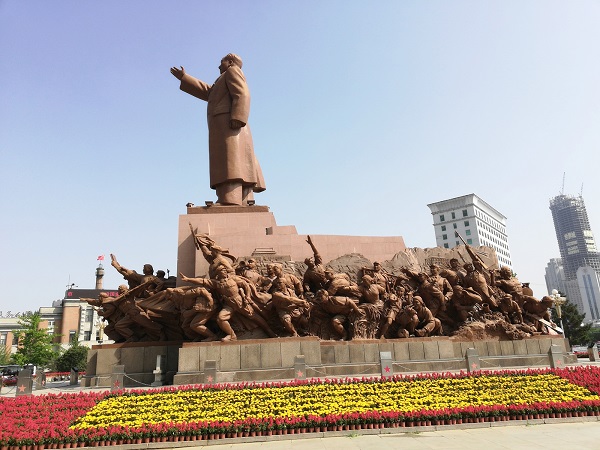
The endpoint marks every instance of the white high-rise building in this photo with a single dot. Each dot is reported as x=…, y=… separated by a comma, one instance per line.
x=555, y=276
x=475, y=220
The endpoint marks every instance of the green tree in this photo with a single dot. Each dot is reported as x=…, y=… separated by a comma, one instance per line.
x=595, y=334
x=4, y=355
x=572, y=321
x=75, y=357
x=35, y=343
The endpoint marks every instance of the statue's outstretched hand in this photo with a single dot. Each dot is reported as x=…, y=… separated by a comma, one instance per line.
x=178, y=73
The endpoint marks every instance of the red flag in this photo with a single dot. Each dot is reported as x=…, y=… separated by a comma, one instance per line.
x=101, y=258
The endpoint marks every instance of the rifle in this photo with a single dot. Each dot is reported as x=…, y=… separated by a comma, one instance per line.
x=132, y=292
x=471, y=253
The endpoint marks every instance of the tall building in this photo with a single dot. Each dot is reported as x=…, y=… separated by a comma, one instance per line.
x=579, y=254
x=555, y=276
x=475, y=220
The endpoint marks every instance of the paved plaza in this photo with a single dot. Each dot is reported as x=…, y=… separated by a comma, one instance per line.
x=515, y=435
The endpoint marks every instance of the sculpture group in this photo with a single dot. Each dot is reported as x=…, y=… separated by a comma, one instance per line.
x=268, y=300
x=265, y=299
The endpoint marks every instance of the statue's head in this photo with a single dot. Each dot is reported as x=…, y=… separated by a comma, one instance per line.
x=505, y=272
x=279, y=284
x=148, y=269
x=229, y=60
x=222, y=272
x=367, y=280
x=434, y=269
x=277, y=269
x=160, y=273
x=454, y=263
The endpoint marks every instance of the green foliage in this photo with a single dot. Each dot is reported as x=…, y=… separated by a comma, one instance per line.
x=572, y=320
x=75, y=357
x=4, y=356
x=595, y=334
x=35, y=344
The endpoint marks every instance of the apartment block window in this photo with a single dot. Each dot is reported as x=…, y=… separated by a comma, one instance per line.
x=443, y=227
x=72, y=335
x=466, y=223
x=469, y=241
x=457, y=243
x=453, y=216
x=442, y=219
x=464, y=213
x=468, y=232
x=87, y=335
x=3, y=337
x=446, y=245
x=454, y=226
x=444, y=236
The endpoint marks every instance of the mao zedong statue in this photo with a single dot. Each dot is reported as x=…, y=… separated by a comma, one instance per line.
x=234, y=170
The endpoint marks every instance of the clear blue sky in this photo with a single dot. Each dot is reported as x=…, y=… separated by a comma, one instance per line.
x=362, y=114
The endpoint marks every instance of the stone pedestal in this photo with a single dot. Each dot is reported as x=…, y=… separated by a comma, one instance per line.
x=24, y=383
x=74, y=377
x=117, y=378
x=300, y=367
x=160, y=371
x=40, y=381
x=557, y=356
x=283, y=358
x=387, y=366
x=252, y=231
x=473, y=363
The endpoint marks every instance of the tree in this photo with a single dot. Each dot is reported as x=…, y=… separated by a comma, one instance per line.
x=75, y=357
x=35, y=343
x=4, y=355
x=572, y=320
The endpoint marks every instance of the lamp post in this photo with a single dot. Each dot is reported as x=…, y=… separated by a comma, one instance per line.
x=100, y=326
x=558, y=302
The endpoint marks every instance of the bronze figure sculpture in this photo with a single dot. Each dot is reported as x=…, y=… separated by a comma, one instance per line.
x=234, y=170
x=245, y=298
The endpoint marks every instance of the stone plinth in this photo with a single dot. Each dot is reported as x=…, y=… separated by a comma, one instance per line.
x=253, y=231
x=276, y=359
x=138, y=359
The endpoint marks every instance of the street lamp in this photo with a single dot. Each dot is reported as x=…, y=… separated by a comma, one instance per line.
x=558, y=302
x=100, y=326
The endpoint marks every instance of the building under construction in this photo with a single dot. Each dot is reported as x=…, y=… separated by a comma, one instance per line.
x=579, y=254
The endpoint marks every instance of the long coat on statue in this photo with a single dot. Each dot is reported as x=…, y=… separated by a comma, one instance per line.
x=231, y=152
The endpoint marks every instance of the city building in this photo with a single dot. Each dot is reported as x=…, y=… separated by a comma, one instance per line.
x=555, y=276
x=67, y=318
x=478, y=223
x=579, y=254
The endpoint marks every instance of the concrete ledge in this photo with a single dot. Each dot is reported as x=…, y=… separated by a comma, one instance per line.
x=273, y=359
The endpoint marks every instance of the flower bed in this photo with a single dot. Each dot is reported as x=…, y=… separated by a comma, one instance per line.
x=217, y=411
